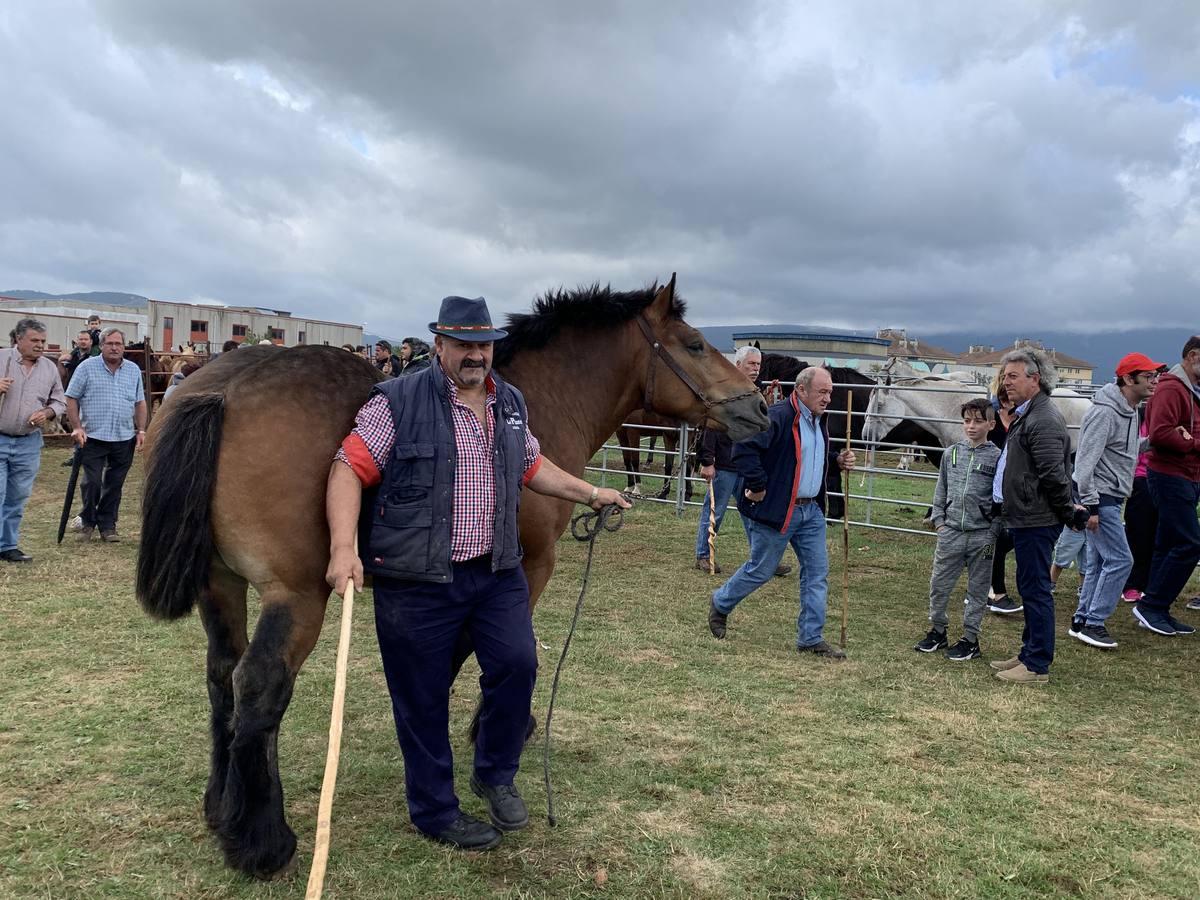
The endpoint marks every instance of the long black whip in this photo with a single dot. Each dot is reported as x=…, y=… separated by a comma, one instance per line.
x=586, y=526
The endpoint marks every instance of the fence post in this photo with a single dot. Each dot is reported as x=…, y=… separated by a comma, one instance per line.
x=682, y=481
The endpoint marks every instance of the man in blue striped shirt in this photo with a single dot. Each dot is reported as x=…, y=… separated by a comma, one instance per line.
x=106, y=406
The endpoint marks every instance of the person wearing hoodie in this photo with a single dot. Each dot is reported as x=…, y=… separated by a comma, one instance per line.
x=1105, y=458
x=414, y=356
x=1173, y=477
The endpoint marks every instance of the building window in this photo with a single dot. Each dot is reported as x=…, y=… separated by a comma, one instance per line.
x=199, y=331
x=275, y=334
x=239, y=333
x=303, y=338
x=168, y=322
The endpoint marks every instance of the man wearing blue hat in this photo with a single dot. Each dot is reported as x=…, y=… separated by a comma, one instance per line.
x=449, y=450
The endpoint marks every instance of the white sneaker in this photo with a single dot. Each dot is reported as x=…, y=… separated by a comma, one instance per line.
x=76, y=524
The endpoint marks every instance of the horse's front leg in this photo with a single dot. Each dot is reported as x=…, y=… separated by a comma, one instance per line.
x=251, y=824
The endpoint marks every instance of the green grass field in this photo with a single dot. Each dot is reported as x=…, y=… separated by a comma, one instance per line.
x=683, y=766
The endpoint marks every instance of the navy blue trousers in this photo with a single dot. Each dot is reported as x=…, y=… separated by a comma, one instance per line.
x=1034, y=550
x=418, y=625
x=1177, y=541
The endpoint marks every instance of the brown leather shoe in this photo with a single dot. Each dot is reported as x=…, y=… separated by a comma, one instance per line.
x=1001, y=664
x=111, y=536
x=702, y=565
x=823, y=648
x=85, y=534
x=782, y=569
x=716, y=621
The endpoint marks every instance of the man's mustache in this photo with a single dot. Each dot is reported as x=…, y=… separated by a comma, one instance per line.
x=471, y=364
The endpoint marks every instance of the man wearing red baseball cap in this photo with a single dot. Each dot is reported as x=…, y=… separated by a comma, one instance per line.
x=1173, y=478
x=1105, y=458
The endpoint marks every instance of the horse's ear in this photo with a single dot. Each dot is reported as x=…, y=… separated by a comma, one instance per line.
x=664, y=300
x=757, y=346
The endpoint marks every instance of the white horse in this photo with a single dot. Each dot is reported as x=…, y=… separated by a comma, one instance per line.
x=926, y=410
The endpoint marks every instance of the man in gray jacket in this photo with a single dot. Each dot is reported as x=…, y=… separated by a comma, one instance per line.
x=1033, y=481
x=1104, y=462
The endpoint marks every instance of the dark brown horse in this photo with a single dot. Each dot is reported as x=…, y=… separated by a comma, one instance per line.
x=265, y=422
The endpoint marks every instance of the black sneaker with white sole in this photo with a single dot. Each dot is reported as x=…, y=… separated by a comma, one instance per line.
x=1005, y=606
x=935, y=640
x=1076, y=627
x=963, y=651
x=1096, y=636
x=1193, y=604
x=1154, y=619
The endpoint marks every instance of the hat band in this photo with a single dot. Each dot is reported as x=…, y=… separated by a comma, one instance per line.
x=442, y=327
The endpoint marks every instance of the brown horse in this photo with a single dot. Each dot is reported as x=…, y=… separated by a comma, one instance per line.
x=265, y=422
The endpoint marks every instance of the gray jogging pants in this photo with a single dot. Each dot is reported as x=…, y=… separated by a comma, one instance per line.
x=956, y=549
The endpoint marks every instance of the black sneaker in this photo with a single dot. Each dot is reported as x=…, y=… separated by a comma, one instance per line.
x=1193, y=604
x=16, y=555
x=1005, y=606
x=964, y=650
x=934, y=640
x=506, y=809
x=1096, y=636
x=716, y=621
x=1076, y=627
x=1180, y=627
x=1153, y=619
x=468, y=833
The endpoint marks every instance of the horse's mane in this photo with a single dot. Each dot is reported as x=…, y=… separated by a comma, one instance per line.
x=584, y=307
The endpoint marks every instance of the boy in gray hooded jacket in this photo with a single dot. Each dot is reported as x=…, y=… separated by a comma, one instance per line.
x=966, y=524
x=1105, y=458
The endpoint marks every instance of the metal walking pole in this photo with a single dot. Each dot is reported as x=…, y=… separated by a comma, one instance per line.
x=316, y=875
x=846, y=524
x=681, y=484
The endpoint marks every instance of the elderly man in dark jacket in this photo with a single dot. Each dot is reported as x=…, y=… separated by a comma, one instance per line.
x=1033, y=482
x=783, y=473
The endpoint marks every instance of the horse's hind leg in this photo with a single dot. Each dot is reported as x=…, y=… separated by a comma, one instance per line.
x=223, y=612
x=251, y=824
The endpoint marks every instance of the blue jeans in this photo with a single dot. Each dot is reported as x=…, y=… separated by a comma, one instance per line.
x=19, y=461
x=806, y=535
x=1071, y=548
x=1109, y=564
x=1034, y=548
x=725, y=484
x=1177, y=542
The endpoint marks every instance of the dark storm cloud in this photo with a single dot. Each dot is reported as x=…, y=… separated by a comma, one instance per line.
x=818, y=162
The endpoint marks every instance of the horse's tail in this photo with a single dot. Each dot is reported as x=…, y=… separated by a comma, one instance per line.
x=177, y=542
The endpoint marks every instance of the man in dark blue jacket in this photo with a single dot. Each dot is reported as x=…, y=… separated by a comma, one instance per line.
x=450, y=450
x=783, y=502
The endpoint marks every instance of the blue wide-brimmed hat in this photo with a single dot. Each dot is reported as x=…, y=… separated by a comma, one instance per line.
x=466, y=320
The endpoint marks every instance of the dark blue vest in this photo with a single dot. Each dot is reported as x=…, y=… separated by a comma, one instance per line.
x=412, y=514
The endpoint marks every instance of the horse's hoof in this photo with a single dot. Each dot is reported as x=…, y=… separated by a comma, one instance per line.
x=285, y=872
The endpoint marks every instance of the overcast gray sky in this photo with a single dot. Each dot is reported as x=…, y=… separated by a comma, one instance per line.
x=1028, y=164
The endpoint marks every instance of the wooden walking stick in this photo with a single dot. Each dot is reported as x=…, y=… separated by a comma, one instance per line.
x=712, y=532
x=846, y=522
x=316, y=875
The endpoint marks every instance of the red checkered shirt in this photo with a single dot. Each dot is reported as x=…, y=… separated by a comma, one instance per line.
x=367, y=448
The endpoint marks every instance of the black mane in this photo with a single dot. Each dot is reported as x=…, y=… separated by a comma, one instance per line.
x=585, y=307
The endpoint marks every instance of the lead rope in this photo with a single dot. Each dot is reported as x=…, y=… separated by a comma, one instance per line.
x=586, y=526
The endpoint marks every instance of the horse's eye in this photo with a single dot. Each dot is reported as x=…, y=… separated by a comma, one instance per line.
x=697, y=347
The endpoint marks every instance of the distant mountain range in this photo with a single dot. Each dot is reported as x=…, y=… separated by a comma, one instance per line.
x=104, y=298
x=1103, y=350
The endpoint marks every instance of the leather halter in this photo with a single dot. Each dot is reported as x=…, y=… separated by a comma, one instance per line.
x=658, y=352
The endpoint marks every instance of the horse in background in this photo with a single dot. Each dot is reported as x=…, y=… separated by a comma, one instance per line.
x=779, y=367
x=267, y=421
x=925, y=409
x=642, y=424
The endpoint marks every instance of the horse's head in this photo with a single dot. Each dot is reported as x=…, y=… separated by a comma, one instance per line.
x=884, y=412
x=686, y=378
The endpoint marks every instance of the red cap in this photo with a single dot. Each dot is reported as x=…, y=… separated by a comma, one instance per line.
x=1138, y=362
